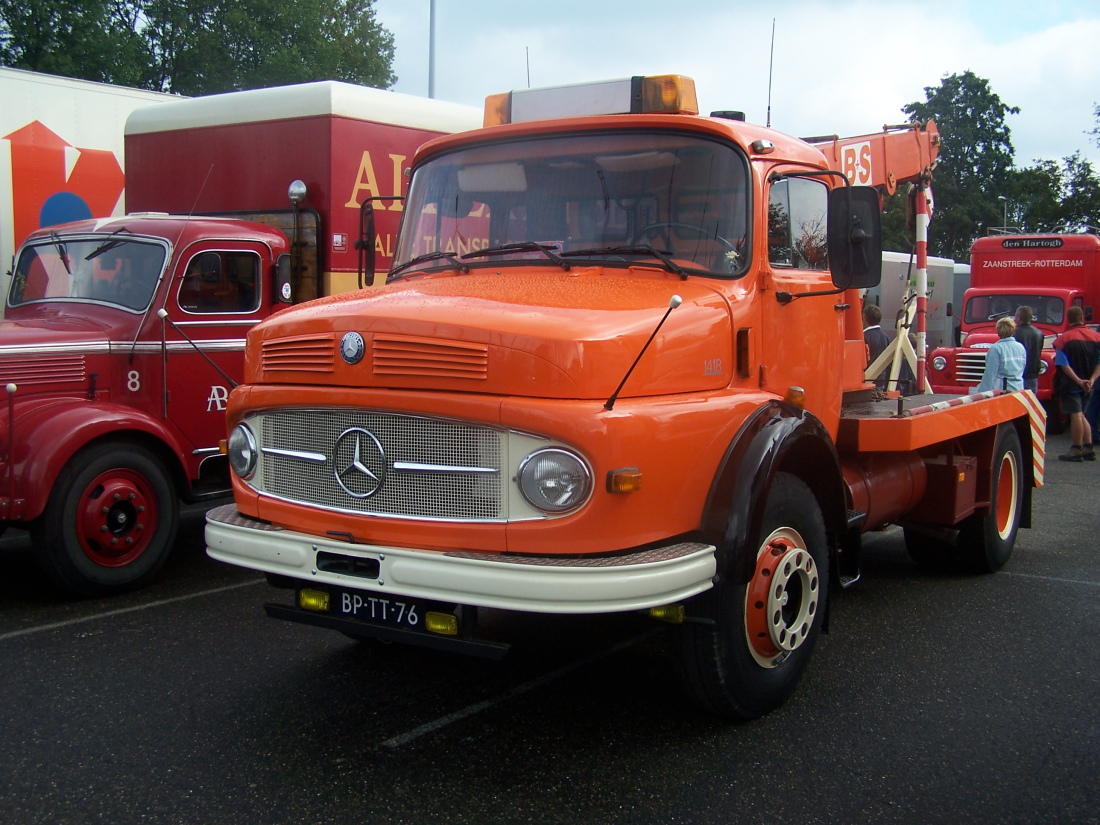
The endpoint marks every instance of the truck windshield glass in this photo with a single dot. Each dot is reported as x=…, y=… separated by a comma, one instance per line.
x=84, y=269
x=1048, y=309
x=596, y=195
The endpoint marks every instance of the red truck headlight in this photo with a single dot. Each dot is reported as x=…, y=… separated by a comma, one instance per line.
x=939, y=363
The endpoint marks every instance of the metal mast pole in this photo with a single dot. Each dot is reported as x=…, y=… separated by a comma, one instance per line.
x=431, y=48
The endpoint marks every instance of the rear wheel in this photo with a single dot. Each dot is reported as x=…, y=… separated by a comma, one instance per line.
x=986, y=539
x=749, y=660
x=109, y=523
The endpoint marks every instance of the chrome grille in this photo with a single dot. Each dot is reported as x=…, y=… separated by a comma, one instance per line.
x=433, y=468
x=969, y=365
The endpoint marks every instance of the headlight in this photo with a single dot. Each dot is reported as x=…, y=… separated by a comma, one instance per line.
x=1043, y=367
x=554, y=480
x=939, y=363
x=242, y=451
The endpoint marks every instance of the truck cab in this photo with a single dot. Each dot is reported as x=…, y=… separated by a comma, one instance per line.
x=117, y=350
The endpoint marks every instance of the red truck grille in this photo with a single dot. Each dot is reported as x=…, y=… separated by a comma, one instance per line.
x=969, y=365
x=43, y=370
x=429, y=357
x=300, y=353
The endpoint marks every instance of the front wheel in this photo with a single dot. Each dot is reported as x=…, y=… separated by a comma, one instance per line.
x=745, y=656
x=109, y=523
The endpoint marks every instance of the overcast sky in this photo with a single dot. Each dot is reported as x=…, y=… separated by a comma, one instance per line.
x=839, y=67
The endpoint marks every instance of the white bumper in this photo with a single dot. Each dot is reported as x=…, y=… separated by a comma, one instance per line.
x=664, y=575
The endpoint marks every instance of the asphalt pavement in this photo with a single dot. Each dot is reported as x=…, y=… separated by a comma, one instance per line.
x=945, y=698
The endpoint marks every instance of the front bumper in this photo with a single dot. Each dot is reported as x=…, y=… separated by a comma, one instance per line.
x=536, y=584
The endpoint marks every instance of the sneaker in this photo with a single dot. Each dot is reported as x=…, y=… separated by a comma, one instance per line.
x=1074, y=454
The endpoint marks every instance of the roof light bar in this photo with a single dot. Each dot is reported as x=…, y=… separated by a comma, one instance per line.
x=660, y=94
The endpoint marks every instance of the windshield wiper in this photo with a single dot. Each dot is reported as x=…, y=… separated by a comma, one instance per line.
x=520, y=246
x=60, y=244
x=643, y=249
x=108, y=244
x=430, y=256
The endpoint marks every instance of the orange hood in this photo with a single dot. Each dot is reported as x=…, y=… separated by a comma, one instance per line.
x=533, y=331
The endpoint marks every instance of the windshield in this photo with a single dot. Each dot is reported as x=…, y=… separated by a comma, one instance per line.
x=1047, y=309
x=118, y=270
x=678, y=200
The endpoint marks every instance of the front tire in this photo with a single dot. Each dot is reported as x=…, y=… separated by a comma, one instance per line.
x=109, y=523
x=745, y=656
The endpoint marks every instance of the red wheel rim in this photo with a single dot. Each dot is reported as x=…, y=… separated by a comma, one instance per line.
x=781, y=599
x=116, y=517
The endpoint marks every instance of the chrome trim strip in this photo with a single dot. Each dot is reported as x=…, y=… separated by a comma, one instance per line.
x=416, y=467
x=305, y=455
x=250, y=322
x=206, y=451
x=51, y=349
x=221, y=345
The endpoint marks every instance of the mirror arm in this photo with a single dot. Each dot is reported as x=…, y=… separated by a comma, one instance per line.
x=787, y=297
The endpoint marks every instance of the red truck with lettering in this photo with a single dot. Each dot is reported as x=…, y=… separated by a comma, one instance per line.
x=123, y=336
x=1049, y=273
x=618, y=366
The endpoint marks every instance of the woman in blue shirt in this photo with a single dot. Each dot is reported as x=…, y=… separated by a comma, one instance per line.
x=1004, y=362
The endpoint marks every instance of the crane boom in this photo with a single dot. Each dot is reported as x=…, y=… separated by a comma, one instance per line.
x=897, y=154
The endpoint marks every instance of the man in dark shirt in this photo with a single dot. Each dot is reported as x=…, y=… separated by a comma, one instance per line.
x=1032, y=339
x=1077, y=359
x=875, y=339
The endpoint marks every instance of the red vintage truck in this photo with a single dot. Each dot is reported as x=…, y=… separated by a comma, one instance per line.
x=1049, y=273
x=123, y=336
x=618, y=366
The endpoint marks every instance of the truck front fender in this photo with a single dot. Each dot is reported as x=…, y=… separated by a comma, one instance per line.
x=777, y=437
x=47, y=435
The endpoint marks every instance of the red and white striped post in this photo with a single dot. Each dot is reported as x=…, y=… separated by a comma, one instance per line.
x=923, y=214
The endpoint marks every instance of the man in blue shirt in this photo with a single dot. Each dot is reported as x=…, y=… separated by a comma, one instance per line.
x=1004, y=362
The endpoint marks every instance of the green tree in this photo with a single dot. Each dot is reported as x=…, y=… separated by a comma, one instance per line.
x=974, y=161
x=89, y=39
x=197, y=47
x=1054, y=196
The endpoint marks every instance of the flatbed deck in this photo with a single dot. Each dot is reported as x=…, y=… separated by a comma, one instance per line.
x=916, y=421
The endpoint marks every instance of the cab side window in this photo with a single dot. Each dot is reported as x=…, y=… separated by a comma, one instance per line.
x=797, y=210
x=221, y=282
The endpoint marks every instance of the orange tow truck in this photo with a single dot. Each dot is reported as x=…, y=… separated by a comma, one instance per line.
x=618, y=366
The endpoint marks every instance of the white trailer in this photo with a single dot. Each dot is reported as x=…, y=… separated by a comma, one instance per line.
x=898, y=284
x=61, y=143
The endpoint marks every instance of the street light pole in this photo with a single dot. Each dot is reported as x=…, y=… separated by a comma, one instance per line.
x=1004, y=217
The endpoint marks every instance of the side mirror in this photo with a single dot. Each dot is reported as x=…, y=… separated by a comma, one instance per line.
x=855, y=237
x=284, y=289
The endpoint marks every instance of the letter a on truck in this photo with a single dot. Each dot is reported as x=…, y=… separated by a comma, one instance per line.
x=618, y=366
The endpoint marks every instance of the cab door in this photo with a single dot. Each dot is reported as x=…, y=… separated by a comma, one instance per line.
x=219, y=292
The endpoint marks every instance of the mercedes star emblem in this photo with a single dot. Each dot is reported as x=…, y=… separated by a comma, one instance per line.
x=352, y=347
x=360, y=462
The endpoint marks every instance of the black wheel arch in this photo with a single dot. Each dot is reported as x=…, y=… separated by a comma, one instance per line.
x=777, y=437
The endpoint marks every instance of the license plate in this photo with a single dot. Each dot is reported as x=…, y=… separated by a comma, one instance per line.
x=403, y=613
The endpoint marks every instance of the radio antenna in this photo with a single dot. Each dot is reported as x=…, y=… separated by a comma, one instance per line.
x=771, y=62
